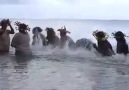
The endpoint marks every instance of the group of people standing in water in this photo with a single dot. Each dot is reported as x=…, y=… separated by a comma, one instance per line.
x=21, y=40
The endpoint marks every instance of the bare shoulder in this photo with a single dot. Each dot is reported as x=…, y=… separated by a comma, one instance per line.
x=16, y=35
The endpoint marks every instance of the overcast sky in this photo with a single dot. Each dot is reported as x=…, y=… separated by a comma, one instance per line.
x=72, y=9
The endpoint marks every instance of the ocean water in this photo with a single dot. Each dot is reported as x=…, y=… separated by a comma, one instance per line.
x=64, y=69
x=81, y=28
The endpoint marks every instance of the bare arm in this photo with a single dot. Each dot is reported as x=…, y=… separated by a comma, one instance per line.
x=12, y=30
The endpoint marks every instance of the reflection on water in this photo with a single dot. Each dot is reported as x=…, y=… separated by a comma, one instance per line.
x=62, y=72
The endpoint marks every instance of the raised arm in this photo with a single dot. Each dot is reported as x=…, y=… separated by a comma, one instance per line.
x=12, y=30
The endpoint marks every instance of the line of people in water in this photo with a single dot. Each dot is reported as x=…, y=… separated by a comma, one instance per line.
x=21, y=40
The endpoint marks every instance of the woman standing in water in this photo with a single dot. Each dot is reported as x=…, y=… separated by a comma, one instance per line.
x=38, y=36
x=64, y=39
x=4, y=36
x=122, y=46
x=21, y=40
x=52, y=38
x=104, y=46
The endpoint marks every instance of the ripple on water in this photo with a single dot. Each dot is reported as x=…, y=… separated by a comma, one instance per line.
x=63, y=72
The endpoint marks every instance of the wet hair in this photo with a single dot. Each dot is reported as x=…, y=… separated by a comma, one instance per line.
x=35, y=29
x=100, y=34
x=22, y=27
x=4, y=21
x=50, y=34
x=50, y=31
x=119, y=34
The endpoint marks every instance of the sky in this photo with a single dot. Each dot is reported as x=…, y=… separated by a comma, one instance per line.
x=65, y=9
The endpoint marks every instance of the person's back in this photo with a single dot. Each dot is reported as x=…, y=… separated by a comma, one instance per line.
x=104, y=46
x=21, y=42
x=4, y=42
x=84, y=43
x=122, y=46
x=120, y=37
x=38, y=37
x=52, y=38
x=64, y=39
x=4, y=36
x=67, y=40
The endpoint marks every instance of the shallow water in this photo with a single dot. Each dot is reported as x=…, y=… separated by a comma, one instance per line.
x=65, y=70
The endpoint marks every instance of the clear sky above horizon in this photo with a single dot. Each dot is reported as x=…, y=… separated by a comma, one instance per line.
x=70, y=9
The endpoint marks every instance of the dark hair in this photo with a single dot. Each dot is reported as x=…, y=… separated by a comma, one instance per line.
x=4, y=21
x=100, y=34
x=50, y=33
x=49, y=29
x=23, y=26
x=36, y=28
x=119, y=34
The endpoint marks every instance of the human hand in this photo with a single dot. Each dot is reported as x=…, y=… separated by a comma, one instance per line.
x=8, y=22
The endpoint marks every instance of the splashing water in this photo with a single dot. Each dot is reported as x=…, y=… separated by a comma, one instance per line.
x=63, y=69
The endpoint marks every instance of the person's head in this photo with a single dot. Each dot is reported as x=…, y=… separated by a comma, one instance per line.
x=22, y=27
x=36, y=30
x=119, y=35
x=100, y=35
x=63, y=32
x=4, y=24
x=50, y=33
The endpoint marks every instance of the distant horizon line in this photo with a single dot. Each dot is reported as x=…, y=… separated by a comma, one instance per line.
x=67, y=19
